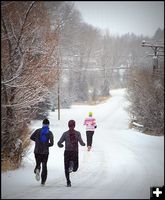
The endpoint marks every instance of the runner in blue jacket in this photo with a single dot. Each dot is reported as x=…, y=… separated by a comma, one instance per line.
x=43, y=139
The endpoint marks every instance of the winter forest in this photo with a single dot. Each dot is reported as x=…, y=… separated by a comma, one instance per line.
x=51, y=59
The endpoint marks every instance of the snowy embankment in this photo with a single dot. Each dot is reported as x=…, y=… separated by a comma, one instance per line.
x=123, y=163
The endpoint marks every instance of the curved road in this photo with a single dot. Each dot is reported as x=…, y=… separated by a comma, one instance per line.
x=122, y=164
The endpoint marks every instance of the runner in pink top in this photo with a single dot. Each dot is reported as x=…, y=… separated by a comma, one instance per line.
x=90, y=123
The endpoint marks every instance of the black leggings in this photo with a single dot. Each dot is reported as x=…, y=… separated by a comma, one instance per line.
x=89, y=135
x=70, y=156
x=41, y=158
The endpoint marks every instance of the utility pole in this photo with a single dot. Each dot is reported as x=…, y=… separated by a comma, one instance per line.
x=157, y=48
x=58, y=98
x=58, y=66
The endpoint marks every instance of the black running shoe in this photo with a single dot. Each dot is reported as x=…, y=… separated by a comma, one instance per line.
x=42, y=183
x=68, y=184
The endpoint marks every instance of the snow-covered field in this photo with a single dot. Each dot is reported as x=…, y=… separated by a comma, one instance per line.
x=123, y=163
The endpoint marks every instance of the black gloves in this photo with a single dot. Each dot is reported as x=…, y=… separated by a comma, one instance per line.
x=60, y=145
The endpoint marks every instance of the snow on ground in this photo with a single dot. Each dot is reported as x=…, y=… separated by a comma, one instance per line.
x=123, y=163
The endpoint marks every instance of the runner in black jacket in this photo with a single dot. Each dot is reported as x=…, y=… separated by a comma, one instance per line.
x=43, y=138
x=71, y=138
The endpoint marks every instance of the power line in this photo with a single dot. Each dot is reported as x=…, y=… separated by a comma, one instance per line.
x=157, y=48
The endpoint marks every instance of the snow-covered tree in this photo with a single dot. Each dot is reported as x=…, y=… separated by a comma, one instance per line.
x=146, y=97
x=28, y=70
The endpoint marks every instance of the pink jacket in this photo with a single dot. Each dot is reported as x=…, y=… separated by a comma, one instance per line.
x=90, y=123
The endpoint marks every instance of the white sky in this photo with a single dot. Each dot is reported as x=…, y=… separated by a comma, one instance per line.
x=123, y=163
x=121, y=17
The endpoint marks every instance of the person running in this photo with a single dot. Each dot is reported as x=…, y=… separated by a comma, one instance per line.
x=90, y=124
x=43, y=139
x=71, y=138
